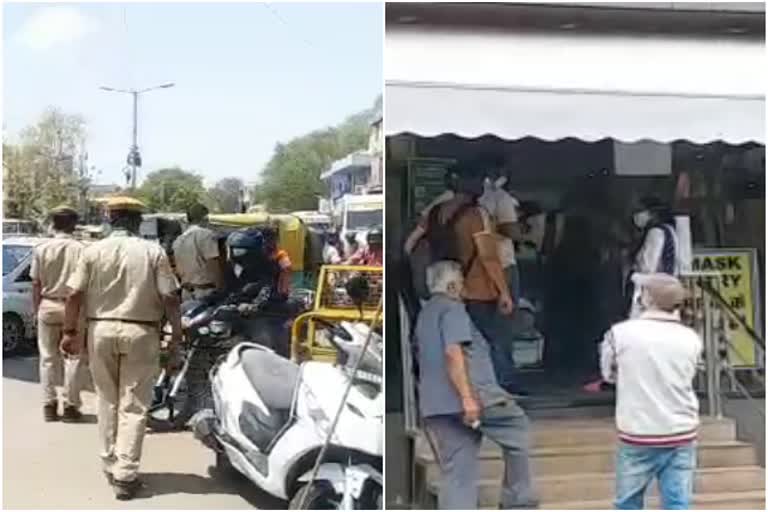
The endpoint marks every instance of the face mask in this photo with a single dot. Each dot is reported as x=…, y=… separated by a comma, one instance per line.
x=641, y=219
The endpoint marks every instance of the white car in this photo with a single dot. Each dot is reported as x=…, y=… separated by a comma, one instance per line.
x=19, y=325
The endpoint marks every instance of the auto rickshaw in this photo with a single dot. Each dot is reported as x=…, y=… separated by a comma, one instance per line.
x=333, y=304
x=293, y=238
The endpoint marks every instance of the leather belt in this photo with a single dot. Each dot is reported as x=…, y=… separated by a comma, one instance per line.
x=193, y=287
x=124, y=321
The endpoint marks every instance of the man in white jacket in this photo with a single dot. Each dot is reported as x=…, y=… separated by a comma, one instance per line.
x=652, y=360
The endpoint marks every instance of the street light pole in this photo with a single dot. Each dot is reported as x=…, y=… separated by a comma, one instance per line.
x=135, y=145
x=134, y=157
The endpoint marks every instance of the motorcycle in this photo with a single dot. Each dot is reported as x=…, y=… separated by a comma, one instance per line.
x=271, y=418
x=212, y=327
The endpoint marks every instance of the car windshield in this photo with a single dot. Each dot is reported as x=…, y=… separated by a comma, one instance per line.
x=364, y=219
x=13, y=255
x=18, y=228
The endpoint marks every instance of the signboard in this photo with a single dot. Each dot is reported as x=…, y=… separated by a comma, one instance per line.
x=426, y=179
x=737, y=269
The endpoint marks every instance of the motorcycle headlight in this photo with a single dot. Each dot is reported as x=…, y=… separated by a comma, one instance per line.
x=218, y=327
x=204, y=331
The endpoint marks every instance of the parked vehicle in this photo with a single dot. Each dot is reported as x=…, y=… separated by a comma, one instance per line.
x=19, y=324
x=212, y=327
x=271, y=418
x=356, y=214
x=20, y=228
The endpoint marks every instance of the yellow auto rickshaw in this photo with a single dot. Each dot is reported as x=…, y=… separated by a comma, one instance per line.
x=293, y=238
x=334, y=303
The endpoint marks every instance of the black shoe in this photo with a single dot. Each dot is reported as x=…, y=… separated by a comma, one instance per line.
x=125, y=491
x=51, y=412
x=71, y=415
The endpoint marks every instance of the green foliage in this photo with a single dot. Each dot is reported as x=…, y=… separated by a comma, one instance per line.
x=39, y=172
x=291, y=179
x=172, y=190
x=225, y=195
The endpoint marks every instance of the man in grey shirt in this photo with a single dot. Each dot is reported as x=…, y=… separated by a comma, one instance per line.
x=461, y=400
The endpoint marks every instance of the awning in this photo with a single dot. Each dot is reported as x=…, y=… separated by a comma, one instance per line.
x=588, y=87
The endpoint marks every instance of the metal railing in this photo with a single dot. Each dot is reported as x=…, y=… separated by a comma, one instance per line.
x=709, y=313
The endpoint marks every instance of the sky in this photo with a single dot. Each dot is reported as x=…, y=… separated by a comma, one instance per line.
x=247, y=77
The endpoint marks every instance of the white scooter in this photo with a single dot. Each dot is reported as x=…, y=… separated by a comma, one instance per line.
x=272, y=417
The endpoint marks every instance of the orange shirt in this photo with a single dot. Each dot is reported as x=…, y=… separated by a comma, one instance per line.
x=283, y=260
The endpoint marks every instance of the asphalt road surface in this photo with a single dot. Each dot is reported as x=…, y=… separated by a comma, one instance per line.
x=56, y=465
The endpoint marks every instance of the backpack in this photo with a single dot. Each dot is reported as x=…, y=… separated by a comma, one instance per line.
x=442, y=238
x=439, y=243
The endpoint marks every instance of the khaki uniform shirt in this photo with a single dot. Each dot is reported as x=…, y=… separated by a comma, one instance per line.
x=53, y=262
x=124, y=278
x=192, y=251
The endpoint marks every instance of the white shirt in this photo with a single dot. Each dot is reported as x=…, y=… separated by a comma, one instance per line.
x=653, y=359
x=331, y=255
x=649, y=257
x=503, y=208
x=648, y=260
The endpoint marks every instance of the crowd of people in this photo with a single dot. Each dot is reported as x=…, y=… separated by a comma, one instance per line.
x=464, y=245
x=371, y=255
x=100, y=306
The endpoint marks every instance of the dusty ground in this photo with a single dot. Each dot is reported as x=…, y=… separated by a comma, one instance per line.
x=56, y=465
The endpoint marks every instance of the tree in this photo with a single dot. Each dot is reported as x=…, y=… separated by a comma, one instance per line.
x=291, y=179
x=226, y=195
x=172, y=190
x=46, y=168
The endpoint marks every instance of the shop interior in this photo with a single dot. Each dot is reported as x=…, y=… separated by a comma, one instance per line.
x=578, y=198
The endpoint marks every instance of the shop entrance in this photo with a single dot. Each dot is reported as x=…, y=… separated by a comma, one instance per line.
x=577, y=199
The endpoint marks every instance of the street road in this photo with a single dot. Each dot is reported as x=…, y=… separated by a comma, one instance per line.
x=56, y=465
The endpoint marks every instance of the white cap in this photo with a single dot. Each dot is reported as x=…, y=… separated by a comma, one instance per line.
x=666, y=291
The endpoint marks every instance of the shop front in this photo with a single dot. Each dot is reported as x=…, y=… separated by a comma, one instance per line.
x=583, y=124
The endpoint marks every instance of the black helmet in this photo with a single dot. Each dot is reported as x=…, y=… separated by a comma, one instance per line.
x=332, y=237
x=375, y=236
x=245, y=242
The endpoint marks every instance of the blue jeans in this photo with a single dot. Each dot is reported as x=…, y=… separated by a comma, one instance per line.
x=499, y=331
x=637, y=466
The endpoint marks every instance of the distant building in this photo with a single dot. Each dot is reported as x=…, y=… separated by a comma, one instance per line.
x=358, y=172
x=96, y=191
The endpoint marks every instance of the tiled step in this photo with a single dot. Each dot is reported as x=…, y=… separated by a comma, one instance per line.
x=566, y=460
x=574, y=487
x=579, y=432
x=747, y=500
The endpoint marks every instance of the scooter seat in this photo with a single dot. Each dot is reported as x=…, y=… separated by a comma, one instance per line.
x=273, y=377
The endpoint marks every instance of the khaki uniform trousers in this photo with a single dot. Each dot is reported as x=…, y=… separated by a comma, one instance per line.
x=124, y=363
x=55, y=368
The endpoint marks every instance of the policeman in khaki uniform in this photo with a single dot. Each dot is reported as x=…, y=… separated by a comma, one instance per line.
x=52, y=264
x=198, y=261
x=124, y=283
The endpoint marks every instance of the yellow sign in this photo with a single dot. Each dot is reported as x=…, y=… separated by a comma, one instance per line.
x=738, y=286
